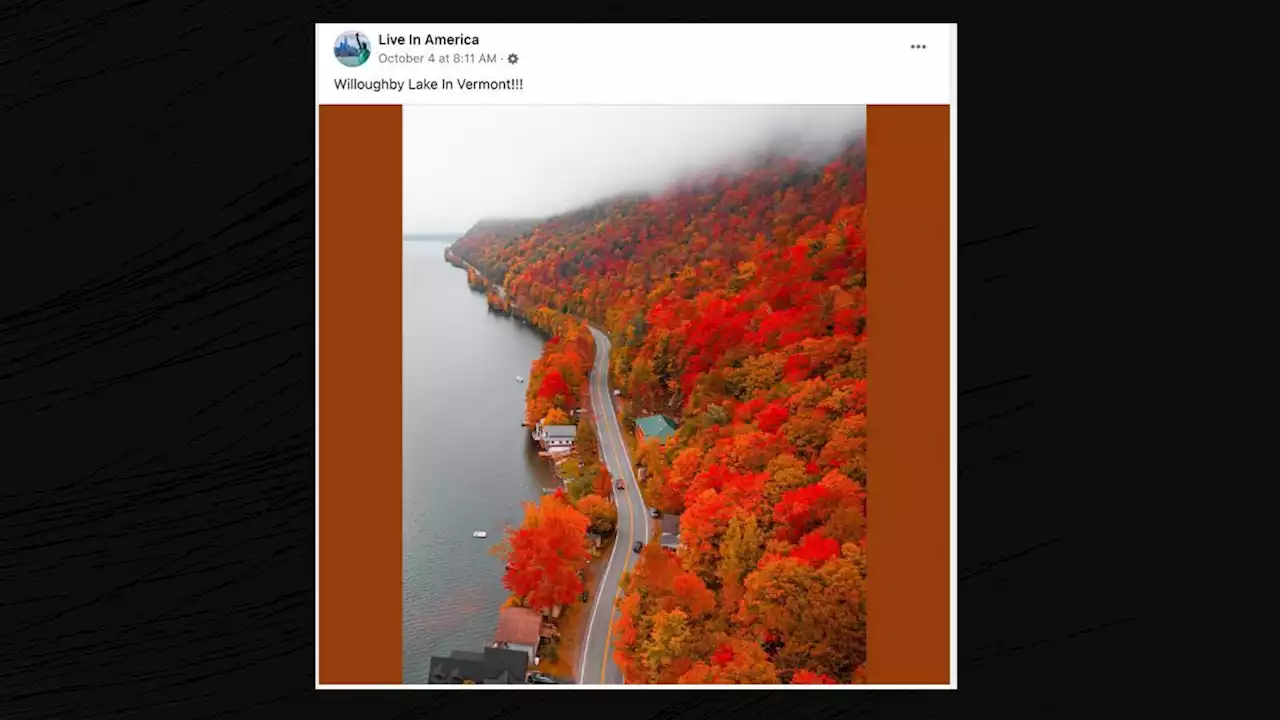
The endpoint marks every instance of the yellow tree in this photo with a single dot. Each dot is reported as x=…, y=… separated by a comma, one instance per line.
x=601, y=513
x=740, y=550
x=670, y=641
x=555, y=416
x=818, y=614
x=786, y=472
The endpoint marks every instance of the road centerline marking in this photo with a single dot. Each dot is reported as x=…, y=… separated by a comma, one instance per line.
x=604, y=579
x=613, y=609
x=612, y=453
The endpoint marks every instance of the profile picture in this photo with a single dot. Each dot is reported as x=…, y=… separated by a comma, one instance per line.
x=352, y=48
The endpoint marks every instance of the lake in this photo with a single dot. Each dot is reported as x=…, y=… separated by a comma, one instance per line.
x=468, y=462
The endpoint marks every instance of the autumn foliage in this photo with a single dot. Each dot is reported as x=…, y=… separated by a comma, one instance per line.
x=805, y=677
x=736, y=305
x=546, y=552
x=734, y=662
x=603, y=515
x=661, y=631
x=602, y=483
x=557, y=379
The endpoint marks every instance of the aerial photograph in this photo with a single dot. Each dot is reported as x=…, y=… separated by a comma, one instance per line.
x=634, y=406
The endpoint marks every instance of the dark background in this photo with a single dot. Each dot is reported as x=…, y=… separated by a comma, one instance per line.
x=157, y=390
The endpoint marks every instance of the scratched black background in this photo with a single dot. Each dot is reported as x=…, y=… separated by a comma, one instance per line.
x=157, y=392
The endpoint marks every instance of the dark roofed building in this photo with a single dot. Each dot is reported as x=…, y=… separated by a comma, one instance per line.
x=494, y=666
x=506, y=678
x=670, y=531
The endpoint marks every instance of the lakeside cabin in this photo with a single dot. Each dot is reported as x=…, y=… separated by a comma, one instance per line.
x=519, y=629
x=555, y=438
x=655, y=426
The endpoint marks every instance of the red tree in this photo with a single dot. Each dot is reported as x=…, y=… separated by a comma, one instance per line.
x=807, y=677
x=772, y=418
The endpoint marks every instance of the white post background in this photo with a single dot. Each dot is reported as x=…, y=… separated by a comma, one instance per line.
x=664, y=64
x=649, y=64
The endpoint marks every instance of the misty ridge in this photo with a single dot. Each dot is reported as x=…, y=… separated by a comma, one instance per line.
x=786, y=151
x=513, y=164
x=809, y=150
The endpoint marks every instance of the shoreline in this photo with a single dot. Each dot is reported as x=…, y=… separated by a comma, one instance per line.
x=570, y=622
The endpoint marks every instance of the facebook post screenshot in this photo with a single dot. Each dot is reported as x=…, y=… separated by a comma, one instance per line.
x=636, y=356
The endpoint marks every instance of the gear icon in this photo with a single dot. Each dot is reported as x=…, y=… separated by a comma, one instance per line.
x=513, y=58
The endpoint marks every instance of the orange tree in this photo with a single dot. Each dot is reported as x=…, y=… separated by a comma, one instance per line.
x=545, y=553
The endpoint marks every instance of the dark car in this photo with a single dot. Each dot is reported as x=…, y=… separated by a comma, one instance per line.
x=654, y=512
x=538, y=678
x=637, y=546
x=583, y=596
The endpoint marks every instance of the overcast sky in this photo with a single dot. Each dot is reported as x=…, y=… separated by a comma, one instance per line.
x=464, y=164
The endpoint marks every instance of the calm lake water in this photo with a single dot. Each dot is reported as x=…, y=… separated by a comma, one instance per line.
x=468, y=463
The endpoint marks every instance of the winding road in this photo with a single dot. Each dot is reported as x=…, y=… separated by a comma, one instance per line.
x=597, y=666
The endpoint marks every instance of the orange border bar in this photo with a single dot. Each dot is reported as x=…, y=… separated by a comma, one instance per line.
x=908, y=395
x=361, y=601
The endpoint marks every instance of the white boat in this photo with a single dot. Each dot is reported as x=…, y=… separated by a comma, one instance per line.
x=479, y=533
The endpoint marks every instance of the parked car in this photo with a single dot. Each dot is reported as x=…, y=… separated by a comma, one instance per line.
x=583, y=596
x=637, y=546
x=654, y=512
x=536, y=677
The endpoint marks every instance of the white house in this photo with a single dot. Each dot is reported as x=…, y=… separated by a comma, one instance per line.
x=552, y=437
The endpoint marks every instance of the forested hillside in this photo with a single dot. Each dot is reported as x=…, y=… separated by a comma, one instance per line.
x=736, y=307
